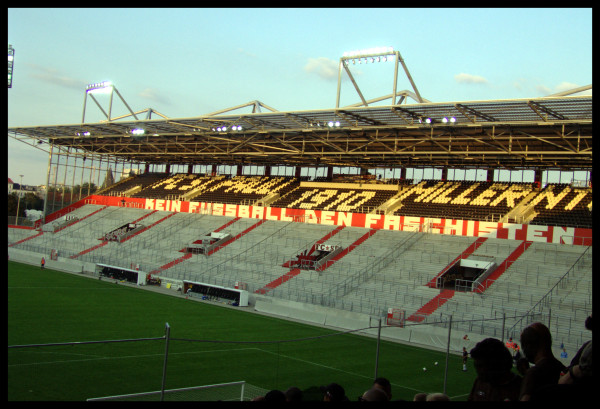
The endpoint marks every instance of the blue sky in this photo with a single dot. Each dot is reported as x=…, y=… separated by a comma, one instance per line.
x=191, y=62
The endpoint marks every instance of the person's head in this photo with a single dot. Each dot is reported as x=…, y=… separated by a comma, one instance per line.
x=420, y=397
x=588, y=322
x=275, y=396
x=385, y=385
x=333, y=393
x=374, y=395
x=437, y=397
x=293, y=394
x=536, y=341
x=492, y=360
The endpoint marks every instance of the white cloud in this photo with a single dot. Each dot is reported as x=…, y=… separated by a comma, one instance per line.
x=565, y=86
x=53, y=76
x=151, y=93
x=543, y=90
x=246, y=53
x=464, y=78
x=323, y=67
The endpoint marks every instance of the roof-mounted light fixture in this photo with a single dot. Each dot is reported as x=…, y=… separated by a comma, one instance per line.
x=11, y=58
x=368, y=52
x=103, y=87
x=224, y=128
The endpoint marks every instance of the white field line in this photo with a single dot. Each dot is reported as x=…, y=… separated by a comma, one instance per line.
x=99, y=358
x=336, y=369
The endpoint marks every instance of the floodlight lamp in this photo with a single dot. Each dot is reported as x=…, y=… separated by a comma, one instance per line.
x=103, y=87
x=428, y=120
x=452, y=119
x=444, y=120
x=138, y=131
x=337, y=123
x=330, y=124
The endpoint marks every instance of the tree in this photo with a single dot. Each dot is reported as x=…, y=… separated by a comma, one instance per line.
x=13, y=202
x=32, y=201
x=83, y=190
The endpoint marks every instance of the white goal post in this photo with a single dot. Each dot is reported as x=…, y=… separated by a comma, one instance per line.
x=231, y=391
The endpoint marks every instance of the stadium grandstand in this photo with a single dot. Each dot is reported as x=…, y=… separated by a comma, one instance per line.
x=314, y=212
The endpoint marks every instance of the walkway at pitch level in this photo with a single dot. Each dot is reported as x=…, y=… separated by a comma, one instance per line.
x=444, y=295
x=295, y=271
x=189, y=255
x=105, y=242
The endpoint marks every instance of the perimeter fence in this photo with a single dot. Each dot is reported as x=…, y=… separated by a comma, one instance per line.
x=237, y=390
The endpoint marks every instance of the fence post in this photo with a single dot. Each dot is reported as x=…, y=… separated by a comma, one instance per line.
x=377, y=352
x=167, y=336
x=447, y=353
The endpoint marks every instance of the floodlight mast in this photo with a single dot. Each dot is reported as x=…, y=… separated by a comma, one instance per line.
x=372, y=54
x=105, y=87
x=11, y=58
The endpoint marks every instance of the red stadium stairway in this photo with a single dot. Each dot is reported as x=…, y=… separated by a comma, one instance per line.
x=148, y=227
x=445, y=295
x=171, y=263
x=277, y=282
x=320, y=241
x=229, y=223
x=503, y=267
x=431, y=306
x=294, y=272
x=26, y=238
x=62, y=228
x=189, y=255
x=83, y=218
x=231, y=240
x=104, y=243
x=348, y=249
x=470, y=250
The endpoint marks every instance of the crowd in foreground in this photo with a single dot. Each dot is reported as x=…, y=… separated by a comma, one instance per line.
x=539, y=376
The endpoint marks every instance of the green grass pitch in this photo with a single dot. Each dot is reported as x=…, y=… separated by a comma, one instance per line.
x=46, y=306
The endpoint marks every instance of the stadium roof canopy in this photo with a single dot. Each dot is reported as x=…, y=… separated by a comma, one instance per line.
x=548, y=132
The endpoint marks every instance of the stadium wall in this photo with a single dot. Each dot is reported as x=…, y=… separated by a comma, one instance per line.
x=471, y=228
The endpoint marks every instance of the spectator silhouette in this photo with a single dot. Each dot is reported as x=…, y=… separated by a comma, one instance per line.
x=333, y=393
x=576, y=382
x=275, y=396
x=385, y=385
x=537, y=348
x=431, y=397
x=420, y=397
x=293, y=394
x=495, y=380
x=437, y=397
x=374, y=395
x=577, y=357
